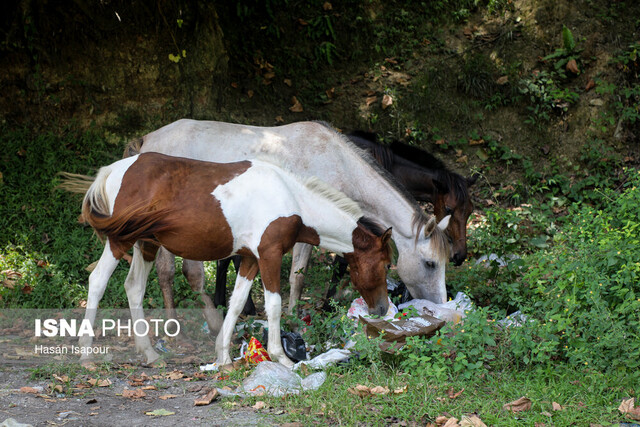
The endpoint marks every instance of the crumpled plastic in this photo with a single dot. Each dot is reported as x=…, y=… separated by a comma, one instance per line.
x=256, y=353
x=331, y=357
x=450, y=311
x=359, y=309
x=274, y=379
x=11, y=422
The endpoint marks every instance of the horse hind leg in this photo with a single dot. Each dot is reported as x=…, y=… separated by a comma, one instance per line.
x=299, y=262
x=194, y=272
x=166, y=269
x=135, y=285
x=98, y=280
x=220, y=298
x=244, y=280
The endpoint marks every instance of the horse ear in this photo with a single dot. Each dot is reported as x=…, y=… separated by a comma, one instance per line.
x=386, y=236
x=440, y=186
x=444, y=222
x=472, y=179
x=430, y=226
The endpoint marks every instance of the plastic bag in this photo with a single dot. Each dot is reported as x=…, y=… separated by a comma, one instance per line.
x=275, y=379
x=255, y=352
x=292, y=342
x=451, y=311
x=359, y=309
x=323, y=360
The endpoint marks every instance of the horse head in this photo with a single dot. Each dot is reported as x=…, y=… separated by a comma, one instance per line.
x=457, y=203
x=368, y=264
x=422, y=266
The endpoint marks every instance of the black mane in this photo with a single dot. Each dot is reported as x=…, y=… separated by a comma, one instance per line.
x=386, y=154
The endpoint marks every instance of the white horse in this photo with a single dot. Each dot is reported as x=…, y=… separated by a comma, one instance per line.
x=208, y=211
x=316, y=149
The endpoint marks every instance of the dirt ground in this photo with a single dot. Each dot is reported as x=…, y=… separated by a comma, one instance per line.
x=106, y=406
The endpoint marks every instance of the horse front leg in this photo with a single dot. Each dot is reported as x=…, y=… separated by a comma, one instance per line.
x=270, y=272
x=98, y=280
x=166, y=270
x=194, y=272
x=244, y=280
x=299, y=262
x=135, y=285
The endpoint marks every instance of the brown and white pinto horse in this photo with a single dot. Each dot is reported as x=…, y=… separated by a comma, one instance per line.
x=208, y=211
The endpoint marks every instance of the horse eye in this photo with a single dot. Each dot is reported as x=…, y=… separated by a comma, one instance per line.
x=430, y=264
x=388, y=266
x=448, y=210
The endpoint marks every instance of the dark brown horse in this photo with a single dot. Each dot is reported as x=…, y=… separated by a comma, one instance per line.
x=208, y=211
x=428, y=180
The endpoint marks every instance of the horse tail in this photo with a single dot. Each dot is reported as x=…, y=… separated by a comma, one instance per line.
x=133, y=147
x=138, y=221
x=75, y=183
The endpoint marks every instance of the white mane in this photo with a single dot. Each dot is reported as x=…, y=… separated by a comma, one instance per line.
x=318, y=187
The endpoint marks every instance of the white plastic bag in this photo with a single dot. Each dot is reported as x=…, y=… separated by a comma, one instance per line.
x=323, y=360
x=275, y=379
x=359, y=308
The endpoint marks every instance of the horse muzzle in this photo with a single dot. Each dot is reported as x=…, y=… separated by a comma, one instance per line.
x=380, y=309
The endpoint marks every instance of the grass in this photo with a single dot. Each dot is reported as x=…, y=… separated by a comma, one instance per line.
x=585, y=398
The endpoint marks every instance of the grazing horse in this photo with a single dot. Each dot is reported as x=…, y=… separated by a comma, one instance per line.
x=428, y=180
x=209, y=211
x=316, y=149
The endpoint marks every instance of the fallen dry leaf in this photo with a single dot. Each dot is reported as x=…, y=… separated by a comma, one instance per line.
x=440, y=420
x=149, y=387
x=379, y=390
x=206, y=399
x=167, y=396
x=590, y=85
x=556, y=406
x=29, y=390
x=522, y=404
x=100, y=383
x=400, y=390
x=454, y=395
x=359, y=390
x=572, y=66
x=451, y=422
x=628, y=408
x=370, y=100
x=387, y=101
x=471, y=421
x=133, y=394
x=175, y=375
x=62, y=379
x=259, y=405
x=159, y=413
x=297, y=106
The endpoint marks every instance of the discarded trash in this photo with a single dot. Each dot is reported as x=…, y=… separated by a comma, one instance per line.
x=359, y=309
x=256, y=353
x=502, y=262
x=396, y=332
x=450, y=311
x=160, y=346
x=210, y=367
x=514, y=319
x=277, y=380
x=10, y=422
x=323, y=360
x=205, y=328
x=397, y=289
x=292, y=342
